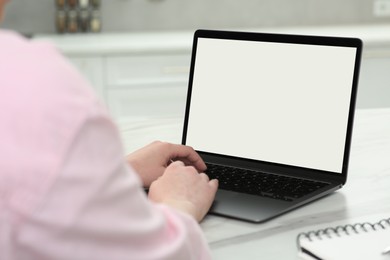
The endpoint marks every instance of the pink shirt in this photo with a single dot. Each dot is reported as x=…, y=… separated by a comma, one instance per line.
x=66, y=191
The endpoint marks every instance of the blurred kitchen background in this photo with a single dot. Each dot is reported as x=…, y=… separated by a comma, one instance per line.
x=138, y=15
x=137, y=58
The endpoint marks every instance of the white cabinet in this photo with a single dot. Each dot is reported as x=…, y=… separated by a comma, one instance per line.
x=154, y=100
x=147, y=68
x=148, y=85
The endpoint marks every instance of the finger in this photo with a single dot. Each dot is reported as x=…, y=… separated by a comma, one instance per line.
x=204, y=177
x=188, y=155
x=177, y=163
x=214, y=184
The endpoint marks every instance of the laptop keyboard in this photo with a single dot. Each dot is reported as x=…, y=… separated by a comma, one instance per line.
x=262, y=184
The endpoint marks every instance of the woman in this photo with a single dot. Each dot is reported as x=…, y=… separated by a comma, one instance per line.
x=66, y=192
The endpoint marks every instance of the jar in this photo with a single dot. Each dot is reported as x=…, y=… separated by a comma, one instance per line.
x=84, y=4
x=60, y=3
x=72, y=3
x=95, y=22
x=61, y=21
x=72, y=21
x=95, y=3
x=84, y=20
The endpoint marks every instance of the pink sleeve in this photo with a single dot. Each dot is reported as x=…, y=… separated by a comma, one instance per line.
x=66, y=191
x=96, y=209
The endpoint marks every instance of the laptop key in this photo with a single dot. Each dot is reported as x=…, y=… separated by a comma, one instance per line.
x=262, y=184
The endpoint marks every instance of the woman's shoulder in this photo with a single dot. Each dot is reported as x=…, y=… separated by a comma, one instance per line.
x=39, y=66
x=10, y=35
x=11, y=40
x=38, y=79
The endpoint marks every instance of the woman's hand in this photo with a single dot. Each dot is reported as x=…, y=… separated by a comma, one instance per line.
x=151, y=161
x=183, y=188
x=175, y=176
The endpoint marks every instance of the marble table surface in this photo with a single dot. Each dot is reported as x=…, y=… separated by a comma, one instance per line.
x=365, y=197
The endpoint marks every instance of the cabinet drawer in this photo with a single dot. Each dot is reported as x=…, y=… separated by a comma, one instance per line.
x=145, y=69
x=150, y=101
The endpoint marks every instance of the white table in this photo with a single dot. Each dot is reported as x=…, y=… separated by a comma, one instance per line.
x=366, y=196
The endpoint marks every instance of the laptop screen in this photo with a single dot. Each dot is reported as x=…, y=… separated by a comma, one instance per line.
x=277, y=102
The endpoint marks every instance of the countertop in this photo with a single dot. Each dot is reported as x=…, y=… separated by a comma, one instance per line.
x=374, y=36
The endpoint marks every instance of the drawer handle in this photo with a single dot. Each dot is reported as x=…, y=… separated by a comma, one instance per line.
x=175, y=69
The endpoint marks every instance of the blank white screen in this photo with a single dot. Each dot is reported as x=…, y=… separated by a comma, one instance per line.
x=275, y=102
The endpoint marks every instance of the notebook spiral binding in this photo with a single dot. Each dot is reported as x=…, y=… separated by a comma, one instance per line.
x=349, y=229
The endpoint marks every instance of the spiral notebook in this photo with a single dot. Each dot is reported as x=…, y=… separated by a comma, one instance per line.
x=357, y=241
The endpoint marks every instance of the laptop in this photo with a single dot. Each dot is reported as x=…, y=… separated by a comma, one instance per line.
x=272, y=117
